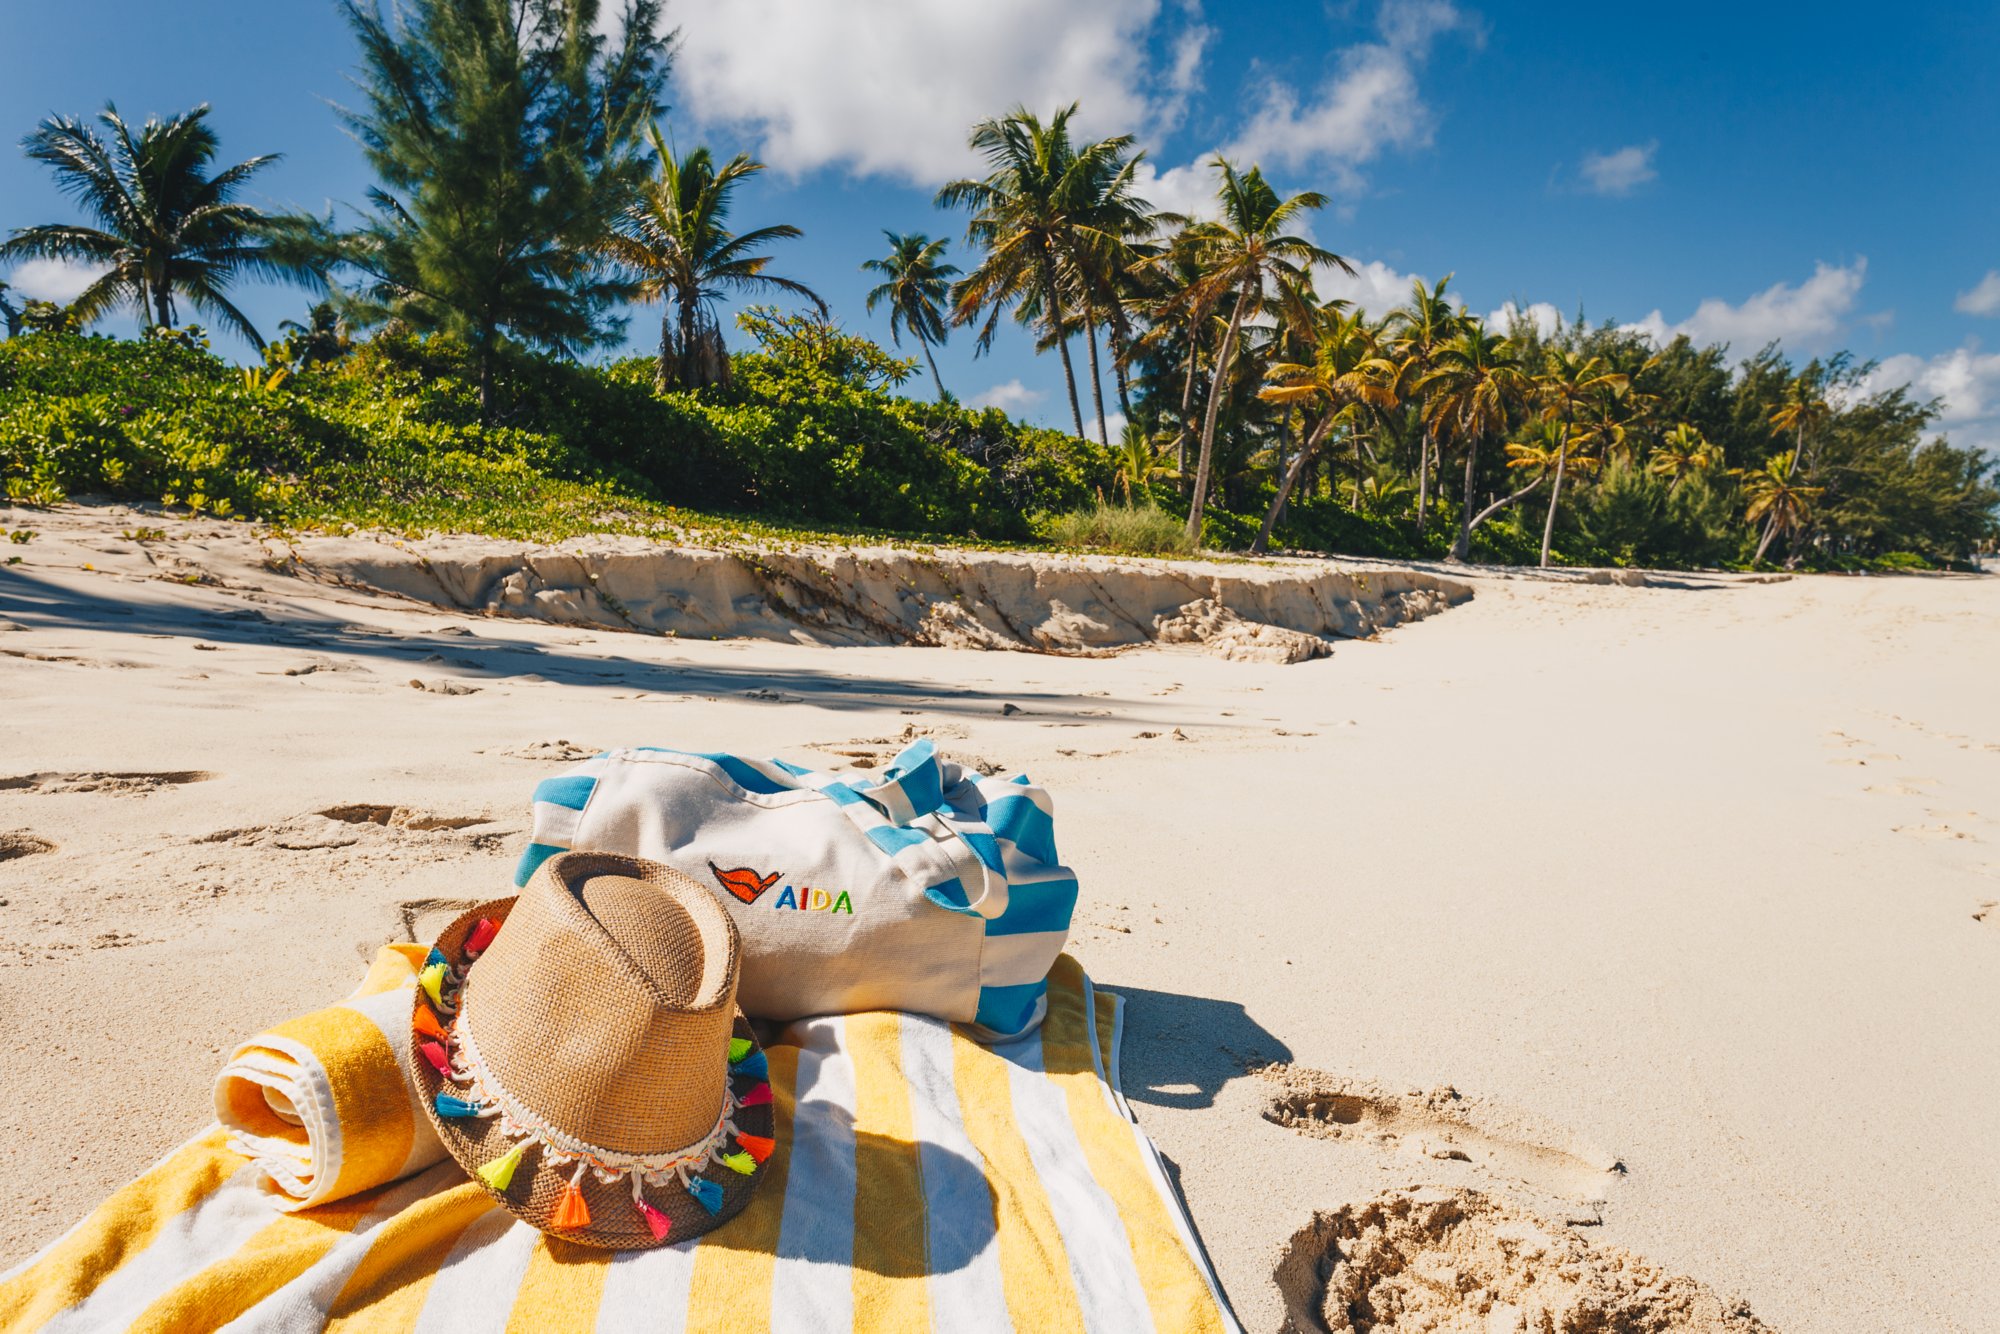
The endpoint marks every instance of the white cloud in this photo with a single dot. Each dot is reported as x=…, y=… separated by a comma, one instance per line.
x=1621, y=171
x=1188, y=190
x=1009, y=396
x=1373, y=287
x=1809, y=313
x=891, y=87
x=1966, y=380
x=1543, y=315
x=59, y=280
x=1370, y=103
x=1983, y=299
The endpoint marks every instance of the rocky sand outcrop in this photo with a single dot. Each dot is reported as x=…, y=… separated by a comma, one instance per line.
x=1276, y=611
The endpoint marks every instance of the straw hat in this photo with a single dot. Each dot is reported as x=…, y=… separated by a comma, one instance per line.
x=587, y=1063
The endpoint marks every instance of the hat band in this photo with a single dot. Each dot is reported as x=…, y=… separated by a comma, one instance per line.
x=559, y=1148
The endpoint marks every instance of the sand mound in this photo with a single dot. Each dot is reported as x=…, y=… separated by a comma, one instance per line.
x=1459, y=1262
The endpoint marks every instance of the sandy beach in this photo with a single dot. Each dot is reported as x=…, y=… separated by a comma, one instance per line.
x=1663, y=912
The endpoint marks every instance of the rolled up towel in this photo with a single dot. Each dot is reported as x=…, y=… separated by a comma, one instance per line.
x=323, y=1105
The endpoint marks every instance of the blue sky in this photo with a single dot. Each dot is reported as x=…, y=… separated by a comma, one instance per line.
x=1821, y=175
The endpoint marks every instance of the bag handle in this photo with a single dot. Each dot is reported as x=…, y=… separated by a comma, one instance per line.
x=906, y=815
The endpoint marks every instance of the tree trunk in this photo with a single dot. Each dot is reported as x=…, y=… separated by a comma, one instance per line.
x=1097, y=384
x=1494, y=509
x=1291, y=478
x=486, y=381
x=936, y=379
x=163, y=303
x=1187, y=406
x=1770, y=531
x=1121, y=342
x=1423, y=477
x=1463, y=544
x=1223, y=355
x=1549, y=525
x=1055, y=317
x=667, y=349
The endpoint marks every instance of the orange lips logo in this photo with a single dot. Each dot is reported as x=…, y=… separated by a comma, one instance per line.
x=743, y=882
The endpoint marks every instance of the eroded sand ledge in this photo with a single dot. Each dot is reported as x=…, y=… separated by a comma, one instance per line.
x=1040, y=603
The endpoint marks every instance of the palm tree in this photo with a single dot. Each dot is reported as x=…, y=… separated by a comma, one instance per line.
x=1251, y=261
x=1549, y=449
x=1681, y=453
x=10, y=314
x=676, y=240
x=1136, y=460
x=1477, y=383
x=916, y=282
x=168, y=231
x=1775, y=498
x=1422, y=326
x=1112, y=224
x=1569, y=382
x=1348, y=370
x=1802, y=411
x=1027, y=216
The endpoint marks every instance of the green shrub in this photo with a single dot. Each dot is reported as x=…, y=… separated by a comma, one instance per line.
x=1142, y=530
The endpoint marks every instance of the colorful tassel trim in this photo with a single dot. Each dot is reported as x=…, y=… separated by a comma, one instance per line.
x=756, y=1097
x=426, y=1023
x=571, y=1212
x=432, y=979
x=436, y=1056
x=753, y=1066
x=740, y=1162
x=436, y=959
x=499, y=1173
x=738, y=1049
x=706, y=1193
x=455, y=1107
x=759, y=1147
x=655, y=1220
x=482, y=935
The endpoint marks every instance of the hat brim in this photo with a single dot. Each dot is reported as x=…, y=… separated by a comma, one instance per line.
x=537, y=1187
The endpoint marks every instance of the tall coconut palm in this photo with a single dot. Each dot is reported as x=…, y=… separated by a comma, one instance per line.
x=1113, y=224
x=1478, y=382
x=1570, y=382
x=1783, y=504
x=916, y=286
x=1029, y=219
x=1422, y=325
x=1682, y=452
x=1348, y=370
x=675, y=241
x=1250, y=261
x=1803, y=411
x=168, y=230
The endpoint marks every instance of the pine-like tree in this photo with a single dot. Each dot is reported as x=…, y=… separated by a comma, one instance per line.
x=507, y=134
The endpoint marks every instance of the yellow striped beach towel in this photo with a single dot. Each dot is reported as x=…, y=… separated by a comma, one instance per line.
x=922, y=1181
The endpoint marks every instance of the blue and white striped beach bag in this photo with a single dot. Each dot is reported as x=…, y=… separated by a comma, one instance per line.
x=932, y=890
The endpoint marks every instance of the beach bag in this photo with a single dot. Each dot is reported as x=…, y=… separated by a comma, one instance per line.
x=932, y=890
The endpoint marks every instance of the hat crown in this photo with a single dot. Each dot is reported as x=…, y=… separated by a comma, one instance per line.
x=606, y=1005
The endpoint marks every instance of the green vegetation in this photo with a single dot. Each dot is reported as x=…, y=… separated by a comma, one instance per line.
x=528, y=196
x=1145, y=530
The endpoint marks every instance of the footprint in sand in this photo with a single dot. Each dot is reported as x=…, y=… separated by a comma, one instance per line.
x=1984, y=913
x=122, y=784
x=21, y=843
x=400, y=817
x=1462, y=1261
x=1442, y=1125
x=1935, y=831
x=555, y=752
x=424, y=920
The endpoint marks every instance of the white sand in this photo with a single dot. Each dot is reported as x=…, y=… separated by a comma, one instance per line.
x=1664, y=910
